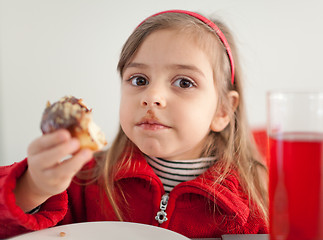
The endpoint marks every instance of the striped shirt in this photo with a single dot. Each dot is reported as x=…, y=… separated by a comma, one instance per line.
x=174, y=172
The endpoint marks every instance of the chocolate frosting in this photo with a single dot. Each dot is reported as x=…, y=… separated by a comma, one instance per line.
x=65, y=113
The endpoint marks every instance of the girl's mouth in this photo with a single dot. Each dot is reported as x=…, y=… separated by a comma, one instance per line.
x=151, y=124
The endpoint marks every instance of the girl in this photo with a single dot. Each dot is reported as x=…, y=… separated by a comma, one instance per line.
x=183, y=159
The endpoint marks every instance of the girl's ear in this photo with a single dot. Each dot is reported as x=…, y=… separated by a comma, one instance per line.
x=222, y=116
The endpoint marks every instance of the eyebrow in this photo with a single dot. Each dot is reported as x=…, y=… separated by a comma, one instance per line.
x=136, y=65
x=189, y=67
x=174, y=66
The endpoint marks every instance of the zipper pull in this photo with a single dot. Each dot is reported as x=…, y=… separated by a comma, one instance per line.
x=162, y=215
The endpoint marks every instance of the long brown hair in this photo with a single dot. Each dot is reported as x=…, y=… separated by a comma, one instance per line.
x=234, y=146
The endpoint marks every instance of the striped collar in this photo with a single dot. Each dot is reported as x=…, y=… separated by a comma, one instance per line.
x=174, y=172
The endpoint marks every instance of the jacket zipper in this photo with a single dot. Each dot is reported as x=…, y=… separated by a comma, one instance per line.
x=161, y=216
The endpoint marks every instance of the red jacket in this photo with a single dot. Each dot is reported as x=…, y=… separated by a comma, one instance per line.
x=196, y=208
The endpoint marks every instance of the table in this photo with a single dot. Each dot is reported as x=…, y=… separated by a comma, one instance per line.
x=238, y=237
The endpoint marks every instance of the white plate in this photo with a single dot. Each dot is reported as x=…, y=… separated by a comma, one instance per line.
x=103, y=230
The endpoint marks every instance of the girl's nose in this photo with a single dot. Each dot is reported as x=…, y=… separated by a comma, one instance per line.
x=153, y=99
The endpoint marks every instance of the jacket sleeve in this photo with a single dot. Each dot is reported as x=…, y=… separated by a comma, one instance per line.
x=246, y=217
x=13, y=220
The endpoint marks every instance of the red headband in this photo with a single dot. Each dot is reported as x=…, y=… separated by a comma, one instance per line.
x=211, y=24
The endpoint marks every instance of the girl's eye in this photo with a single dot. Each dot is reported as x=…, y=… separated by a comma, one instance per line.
x=184, y=83
x=138, y=81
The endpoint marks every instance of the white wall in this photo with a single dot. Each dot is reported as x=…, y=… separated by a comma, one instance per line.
x=51, y=48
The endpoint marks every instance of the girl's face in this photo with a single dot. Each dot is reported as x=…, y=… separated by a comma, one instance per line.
x=169, y=100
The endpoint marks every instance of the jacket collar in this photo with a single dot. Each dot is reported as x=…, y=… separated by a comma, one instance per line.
x=228, y=194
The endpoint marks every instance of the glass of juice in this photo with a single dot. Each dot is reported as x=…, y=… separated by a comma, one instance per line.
x=295, y=130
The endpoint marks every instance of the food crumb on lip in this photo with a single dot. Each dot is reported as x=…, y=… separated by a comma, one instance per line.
x=62, y=234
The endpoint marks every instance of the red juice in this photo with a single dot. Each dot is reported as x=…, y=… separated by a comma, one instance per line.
x=295, y=189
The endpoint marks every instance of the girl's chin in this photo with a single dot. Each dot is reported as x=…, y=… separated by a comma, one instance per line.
x=161, y=153
x=152, y=152
x=164, y=149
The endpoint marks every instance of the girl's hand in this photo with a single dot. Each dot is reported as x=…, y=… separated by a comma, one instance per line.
x=48, y=174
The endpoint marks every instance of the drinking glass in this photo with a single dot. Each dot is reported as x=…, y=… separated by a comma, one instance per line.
x=295, y=130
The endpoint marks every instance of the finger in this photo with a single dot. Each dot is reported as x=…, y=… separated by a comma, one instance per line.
x=48, y=140
x=52, y=156
x=70, y=167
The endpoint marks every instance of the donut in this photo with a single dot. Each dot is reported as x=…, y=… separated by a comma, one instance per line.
x=72, y=114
